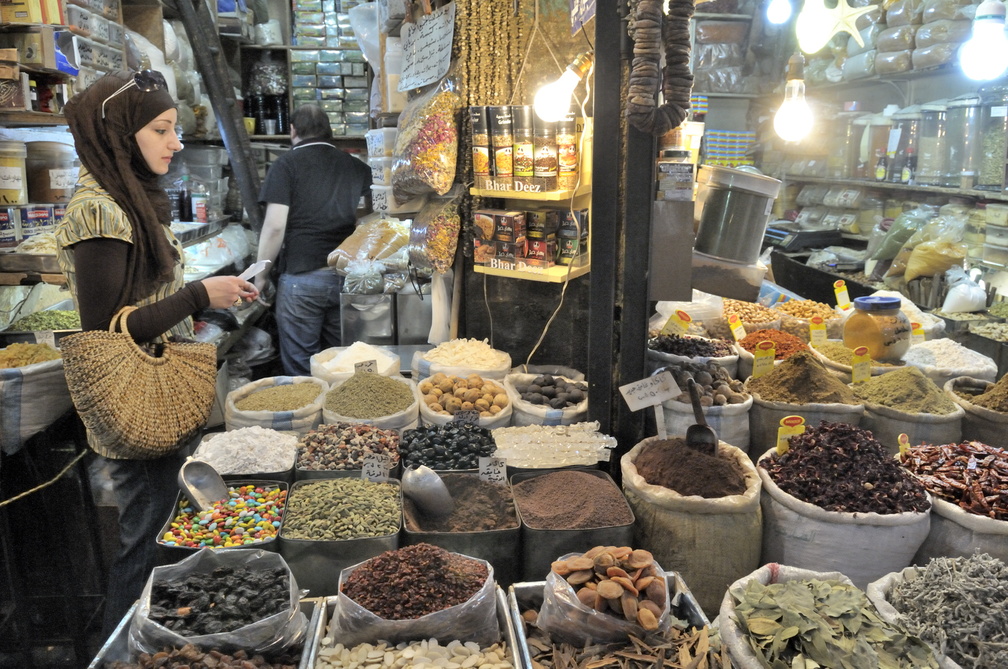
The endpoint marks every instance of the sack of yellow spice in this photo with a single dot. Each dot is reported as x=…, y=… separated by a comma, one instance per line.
x=427, y=143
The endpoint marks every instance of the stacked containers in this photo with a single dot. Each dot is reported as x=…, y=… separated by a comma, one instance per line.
x=903, y=144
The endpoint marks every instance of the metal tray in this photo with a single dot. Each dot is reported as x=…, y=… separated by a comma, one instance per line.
x=116, y=647
x=529, y=595
x=504, y=620
x=43, y=263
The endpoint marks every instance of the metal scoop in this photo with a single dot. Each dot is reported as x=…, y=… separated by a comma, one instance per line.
x=701, y=437
x=428, y=491
x=201, y=483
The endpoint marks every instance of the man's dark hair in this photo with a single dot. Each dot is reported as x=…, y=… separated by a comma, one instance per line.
x=311, y=122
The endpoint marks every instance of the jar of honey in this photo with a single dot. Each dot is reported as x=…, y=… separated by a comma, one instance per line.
x=879, y=324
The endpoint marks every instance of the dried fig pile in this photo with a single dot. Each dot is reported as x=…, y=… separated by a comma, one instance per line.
x=617, y=580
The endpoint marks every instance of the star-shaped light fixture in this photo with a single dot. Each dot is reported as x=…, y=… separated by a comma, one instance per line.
x=816, y=23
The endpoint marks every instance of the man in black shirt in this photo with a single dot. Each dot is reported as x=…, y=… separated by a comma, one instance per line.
x=311, y=195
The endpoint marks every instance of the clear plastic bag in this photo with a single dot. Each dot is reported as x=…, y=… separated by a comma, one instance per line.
x=474, y=620
x=564, y=616
x=904, y=13
x=435, y=232
x=964, y=294
x=941, y=32
x=427, y=143
x=934, y=55
x=364, y=277
x=714, y=56
x=719, y=80
x=271, y=634
x=811, y=194
x=721, y=32
x=905, y=225
x=859, y=66
x=378, y=239
x=899, y=38
x=893, y=62
x=956, y=10
x=868, y=36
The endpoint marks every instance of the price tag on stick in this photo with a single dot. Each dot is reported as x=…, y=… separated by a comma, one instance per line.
x=651, y=392
x=789, y=427
x=677, y=324
x=916, y=334
x=904, y=443
x=763, y=358
x=842, y=296
x=817, y=331
x=376, y=467
x=860, y=365
x=492, y=469
x=737, y=329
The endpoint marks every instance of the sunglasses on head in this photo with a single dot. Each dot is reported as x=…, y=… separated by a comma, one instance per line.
x=145, y=80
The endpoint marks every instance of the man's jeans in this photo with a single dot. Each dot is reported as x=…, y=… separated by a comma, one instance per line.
x=308, y=317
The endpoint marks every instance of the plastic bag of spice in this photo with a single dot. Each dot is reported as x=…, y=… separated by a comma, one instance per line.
x=427, y=143
x=435, y=232
x=208, y=580
x=473, y=620
x=564, y=615
x=710, y=539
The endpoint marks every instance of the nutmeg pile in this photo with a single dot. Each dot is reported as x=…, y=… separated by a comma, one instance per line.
x=449, y=394
x=617, y=580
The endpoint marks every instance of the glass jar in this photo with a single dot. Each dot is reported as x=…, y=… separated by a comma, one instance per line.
x=994, y=134
x=931, y=144
x=975, y=231
x=903, y=145
x=522, y=149
x=871, y=214
x=962, y=127
x=879, y=324
x=848, y=143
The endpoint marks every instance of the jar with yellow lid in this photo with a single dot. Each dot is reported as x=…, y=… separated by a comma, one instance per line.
x=879, y=324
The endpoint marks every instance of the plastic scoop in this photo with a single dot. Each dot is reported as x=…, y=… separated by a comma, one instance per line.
x=428, y=491
x=201, y=483
x=700, y=436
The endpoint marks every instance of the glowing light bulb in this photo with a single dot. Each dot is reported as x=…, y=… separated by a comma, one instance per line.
x=793, y=119
x=552, y=101
x=985, y=55
x=778, y=11
x=814, y=26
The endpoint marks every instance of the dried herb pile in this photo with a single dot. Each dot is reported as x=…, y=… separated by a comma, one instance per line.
x=905, y=389
x=802, y=379
x=971, y=474
x=839, y=467
x=959, y=605
x=822, y=623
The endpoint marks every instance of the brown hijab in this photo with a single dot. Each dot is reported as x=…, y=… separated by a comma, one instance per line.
x=107, y=147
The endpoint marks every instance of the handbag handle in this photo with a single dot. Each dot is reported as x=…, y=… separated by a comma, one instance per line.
x=119, y=319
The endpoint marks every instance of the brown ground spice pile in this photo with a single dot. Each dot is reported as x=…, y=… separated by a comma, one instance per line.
x=837, y=352
x=996, y=397
x=479, y=506
x=905, y=389
x=671, y=464
x=571, y=500
x=802, y=379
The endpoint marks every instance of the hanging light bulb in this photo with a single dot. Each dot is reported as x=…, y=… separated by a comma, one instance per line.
x=778, y=11
x=985, y=55
x=552, y=101
x=793, y=119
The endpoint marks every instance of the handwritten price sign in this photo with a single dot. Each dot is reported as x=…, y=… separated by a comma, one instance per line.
x=366, y=366
x=493, y=470
x=376, y=467
x=650, y=391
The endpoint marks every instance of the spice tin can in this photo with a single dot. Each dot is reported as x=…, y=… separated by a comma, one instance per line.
x=501, y=141
x=10, y=227
x=541, y=547
x=316, y=564
x=35, y=219
x=501, y=548
x=528, y=595
x=481, y=154
x=180, y=552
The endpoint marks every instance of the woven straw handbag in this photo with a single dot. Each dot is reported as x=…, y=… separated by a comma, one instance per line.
x=138, y=405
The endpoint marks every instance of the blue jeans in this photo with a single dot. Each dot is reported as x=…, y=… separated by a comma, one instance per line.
x=308, y=317
x=145, y=492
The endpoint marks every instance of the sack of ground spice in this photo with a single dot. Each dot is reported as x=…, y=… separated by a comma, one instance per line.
x=605, y=594
x=389, y=402
x=811, y=602
x=969, y=485
x=427, y=143
x=837, y=500
x=785, y=345
x=958, y=605
x=698, y=514
x=838, y=359
x=726, y=404
x=907, y=402
x=417, y=592
x=664, y=350
x=287, y=403
x=986, y=422
x=798, y=386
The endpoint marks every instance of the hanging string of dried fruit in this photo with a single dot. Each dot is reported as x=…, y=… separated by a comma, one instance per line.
x=652, y=31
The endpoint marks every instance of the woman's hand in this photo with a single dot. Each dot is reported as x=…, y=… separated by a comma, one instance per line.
x=229, y=291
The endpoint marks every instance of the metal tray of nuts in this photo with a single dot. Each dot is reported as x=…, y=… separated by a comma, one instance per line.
x=529, y=595
x=504, y=620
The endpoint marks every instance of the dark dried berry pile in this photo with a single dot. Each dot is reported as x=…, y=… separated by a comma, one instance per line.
x=451, y=446
x=413, y=581
x=690, y=347
x=839, y=467
x=222, y=601
x=191, y=657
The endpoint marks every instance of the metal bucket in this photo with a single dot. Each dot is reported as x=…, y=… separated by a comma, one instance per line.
x=733, y=206
x=541, y=547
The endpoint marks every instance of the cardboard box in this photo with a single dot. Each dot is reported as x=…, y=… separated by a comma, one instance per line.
x=54, y=12
x=484, y=224
x=541, y=223
x=511, y=251
x=20, y=11
x=509, y=226
x=484, y=251
x=35, y=45
x=14, y=93
x=541, y=252
x=573, y=224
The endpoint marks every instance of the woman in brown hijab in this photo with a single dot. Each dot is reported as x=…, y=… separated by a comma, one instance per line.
x=116, y=249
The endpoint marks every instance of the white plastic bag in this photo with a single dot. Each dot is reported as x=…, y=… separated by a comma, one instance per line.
x=964, y=294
